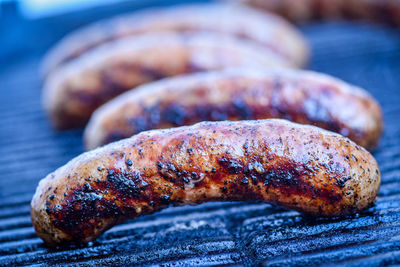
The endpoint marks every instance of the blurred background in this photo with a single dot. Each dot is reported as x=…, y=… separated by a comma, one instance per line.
x=43, y=22
x=361, y=53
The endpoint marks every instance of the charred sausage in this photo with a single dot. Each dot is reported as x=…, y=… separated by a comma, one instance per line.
x=296, y=166
x=74, y=91
x=301, y=96
x=267, y=30
x=386, y=11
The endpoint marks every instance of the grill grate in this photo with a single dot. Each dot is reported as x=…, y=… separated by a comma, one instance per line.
x=211, y=233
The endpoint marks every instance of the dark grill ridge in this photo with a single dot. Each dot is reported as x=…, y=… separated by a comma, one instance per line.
x=212, y=233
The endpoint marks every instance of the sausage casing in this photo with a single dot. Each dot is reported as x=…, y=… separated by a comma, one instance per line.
x=240, y=94
x=74, y=91
x=265, y=29
x=386, y=11
x=296, y=166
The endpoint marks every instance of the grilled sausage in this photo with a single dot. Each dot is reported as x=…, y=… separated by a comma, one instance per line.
x=386, y=11
x=300, y=96
x=265, y=29
x=74, y=91
x=296, y=166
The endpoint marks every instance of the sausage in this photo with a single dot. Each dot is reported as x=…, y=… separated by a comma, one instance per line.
x=74, y=91
x=239, y=94
x=267, y=30
x=300, y=167
x=384, y=11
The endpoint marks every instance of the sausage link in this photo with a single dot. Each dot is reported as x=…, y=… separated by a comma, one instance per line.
x=301, y=167
x=74, y=91
x=301, y=96
x=267, y=30
x=384, y=11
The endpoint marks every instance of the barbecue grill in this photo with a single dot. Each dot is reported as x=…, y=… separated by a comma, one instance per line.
x=217, y=233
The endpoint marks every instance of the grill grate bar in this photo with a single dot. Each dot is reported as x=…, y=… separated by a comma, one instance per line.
x=15, y=211
x=309, y=244
x=219, y=259
x=15, y=222
x=121, y=245
x=327, y=242
x=327, y=256
x=383, y=259
x=17, y=234
x=129, y=231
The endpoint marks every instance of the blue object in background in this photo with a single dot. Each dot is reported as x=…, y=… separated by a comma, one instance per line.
x=43, y=8
x=33, y=26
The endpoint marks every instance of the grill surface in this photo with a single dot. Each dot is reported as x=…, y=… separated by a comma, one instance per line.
x=212, y=233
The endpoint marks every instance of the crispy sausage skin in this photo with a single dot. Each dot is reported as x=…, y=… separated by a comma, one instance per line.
x=239, y=94
x=301, y=167
x=74, y=91
x=265, y=29
x=386, y=11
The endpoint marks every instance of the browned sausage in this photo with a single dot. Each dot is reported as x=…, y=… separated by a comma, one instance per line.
x=300, y=96
x=386, y=11
x=265, y=29
x=296, y=166
x=74, y=91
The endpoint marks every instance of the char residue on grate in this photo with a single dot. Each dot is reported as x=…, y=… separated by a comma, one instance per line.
x=212, y=233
